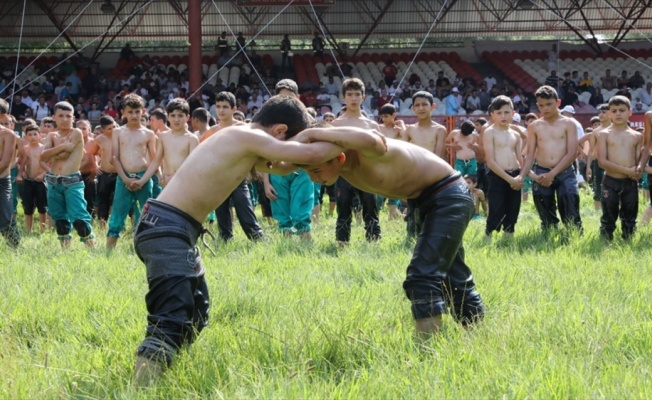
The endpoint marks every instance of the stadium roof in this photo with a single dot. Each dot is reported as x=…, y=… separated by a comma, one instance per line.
x=104, y=21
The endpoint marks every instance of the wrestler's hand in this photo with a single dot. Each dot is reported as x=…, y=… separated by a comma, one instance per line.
x=635, y=174
x=162, y=182
x=98, y=171
x=516, y=183
x=129, y=184
x=589, y=174
x=270, y=192
x=19, y=178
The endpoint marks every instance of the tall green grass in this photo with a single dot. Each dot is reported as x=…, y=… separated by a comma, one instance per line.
x=565, y=319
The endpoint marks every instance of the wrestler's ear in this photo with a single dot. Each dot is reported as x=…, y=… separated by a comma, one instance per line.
x=341, y=159
x=279, y=131
x=558, y=102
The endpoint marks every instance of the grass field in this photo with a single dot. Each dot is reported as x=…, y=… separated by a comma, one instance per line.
x=293, y=320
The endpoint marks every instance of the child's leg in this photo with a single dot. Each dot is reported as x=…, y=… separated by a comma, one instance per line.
x=78, y=213
x=629, y=208
x=122, y=200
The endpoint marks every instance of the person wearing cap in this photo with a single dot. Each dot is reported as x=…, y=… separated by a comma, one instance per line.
x=452, y=103
x=291, y=196
x=552, y=143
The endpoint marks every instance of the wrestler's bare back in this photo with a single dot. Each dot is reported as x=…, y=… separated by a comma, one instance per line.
x=214, y=169
x=403, y=172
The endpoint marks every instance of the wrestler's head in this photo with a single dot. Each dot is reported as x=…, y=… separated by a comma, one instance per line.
x=328, y=172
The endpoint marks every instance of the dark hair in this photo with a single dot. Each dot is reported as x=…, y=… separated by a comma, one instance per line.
x=467, y=128
x=201, y=114
x=106, y=120
x=63, y=106
x=226, y=96
x=620, y=101
x=499, y=102
x=4, y=106
x=283, y=110
x=159, y=113
x=239, y=113
x=531, y=116
x=288, y=84
x=594, y=120
x=178, y=104
x=387, y=109
x=546, y=92
x=425, y=95
x=310, y=110
x=472, y=178
x=134, y=101
x=31, y=127
x=481, y=121
x=352, y=84
x=48, y=120
x=603, y=107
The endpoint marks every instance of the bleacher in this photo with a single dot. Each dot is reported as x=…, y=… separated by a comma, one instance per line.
x=368, y=67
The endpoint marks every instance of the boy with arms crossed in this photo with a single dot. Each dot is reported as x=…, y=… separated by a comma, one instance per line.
x=65, y=148
x=134, y=147
x=552, y=143
x=8, y=142
x=167, y=234
x=502, y=145
x=224, y=107
x=353, y=92
x=107, y=176
x=619, y=148
x=33, y=170
x=437, y=273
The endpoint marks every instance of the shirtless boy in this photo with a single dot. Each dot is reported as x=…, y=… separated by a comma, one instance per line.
x=88, y=168
x=158, y=122
x=426, y=132
x=353, y=91
x=552, y=143
x=394, y=129
x=34, y=192
x=594, y=172
x=480, y=125
x=464, y=142
x=102, y=146
x=225, y=103
x=479, y=199
x=502, y=146
x=167, y=234
x=8, y=142
x=174, y=145
x=437, y=273
x=66, y=204
x=619, y=148
x=134, y=146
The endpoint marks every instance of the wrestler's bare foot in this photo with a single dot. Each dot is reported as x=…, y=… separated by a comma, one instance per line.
x=146, y=371
x=65, y=243
x=307, y=236
x=427, y=327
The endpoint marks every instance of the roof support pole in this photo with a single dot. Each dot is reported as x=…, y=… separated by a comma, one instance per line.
x=194, y=50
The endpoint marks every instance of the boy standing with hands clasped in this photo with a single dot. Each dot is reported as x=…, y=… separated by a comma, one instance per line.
x=619, y=147
x=133, y=148
x=502, y=147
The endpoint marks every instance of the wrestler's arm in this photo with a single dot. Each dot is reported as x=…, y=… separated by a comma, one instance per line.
x=369, y=143
x=269, y=148
x=571, y=151
x=155, y=162
x=8, y=148
x=531, y=146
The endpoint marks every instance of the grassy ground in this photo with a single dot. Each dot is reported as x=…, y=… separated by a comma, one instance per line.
x=294, y=320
